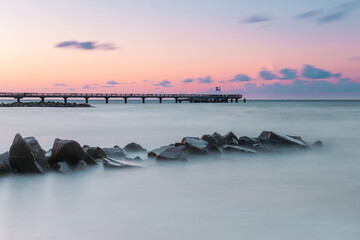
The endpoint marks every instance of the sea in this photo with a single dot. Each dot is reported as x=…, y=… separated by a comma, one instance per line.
x=295, y=195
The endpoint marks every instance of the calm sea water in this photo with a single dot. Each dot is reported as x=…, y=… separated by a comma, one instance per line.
x=295, y=195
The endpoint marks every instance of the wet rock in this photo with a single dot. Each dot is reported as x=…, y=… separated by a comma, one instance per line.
x=95, y=152
x=317, y=144
x=134, y=147
x=281, y=140
x=4, y=164
x=111, y=163
x=210, y=140
x=115, y=152
x=214, y=150
x=236, y=148
x=70, y=152
x=154, y=153
x=174, y=153
x=219, y=139
x=195, y=145
x=62, y=167
x=247, y=141
x=26, y=156
x=262, y=147
x=230, y=138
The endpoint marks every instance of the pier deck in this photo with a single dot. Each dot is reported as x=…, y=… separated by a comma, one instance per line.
x=125, y=96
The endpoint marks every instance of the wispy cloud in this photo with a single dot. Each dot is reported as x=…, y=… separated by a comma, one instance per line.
x=69, y=89
x=88, y=86
x=112, y=83
x=288, y=74
x=317, y=73
x=88, y=45
x=256, y=19
x=267, y=75
x=309, y=14
x=188, y=80
x=165, y=83
x=205, y=80
x=354, y=59
x=240, y=78
x=60, y=85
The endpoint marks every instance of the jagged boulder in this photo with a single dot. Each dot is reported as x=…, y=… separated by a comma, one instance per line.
x=154, y=153
x=195, y=145
x=210, y=140
x=236, y=148
x=134, y=147
x=247, y=141
x=95, y=152
x=219, y=139
x=26, y=156
x=115, y=152
x=230, y=138
x=111, y=163
x=174, y=153
x=4, y=164
x=282, y=140
x=70, y=152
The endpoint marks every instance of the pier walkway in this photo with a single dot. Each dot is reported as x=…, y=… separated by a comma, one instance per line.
x=192, y=98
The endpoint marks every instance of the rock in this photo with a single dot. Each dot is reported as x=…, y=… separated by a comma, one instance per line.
x=95, y=152
x=317, y=144
x=134, y=147
x=195, y=145
x=62, y=167
x=219, y=139
x=71, y=152
x=4, y=164
x=214, y=150
x=230, y=138
x=26, y=156
x=281, y=140
x=234, y=148
x=262, y=147
x=111, y=163
x=210, y=140
x=247, y=141
x=174, y=153
x=154, y=153
x=115, y=152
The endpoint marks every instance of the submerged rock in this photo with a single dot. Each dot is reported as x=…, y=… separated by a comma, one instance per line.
x=115, y=152
x=95, y=152
x=111, y=163
x=230, y=138
x=71, y=152
x=282, y=140
x=154, y=153
x=174, y=153
x=219, y=139
x=234, y=148
x=195, y=145
x=317, y=144
x=210, y=140
x=247, y=141
x=26, y=156
x=4, y=163
x=134, y=147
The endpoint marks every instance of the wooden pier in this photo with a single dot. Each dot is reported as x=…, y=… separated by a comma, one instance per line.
x=192, y=98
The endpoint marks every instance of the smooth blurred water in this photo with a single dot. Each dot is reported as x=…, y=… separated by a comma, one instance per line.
x=294, y=195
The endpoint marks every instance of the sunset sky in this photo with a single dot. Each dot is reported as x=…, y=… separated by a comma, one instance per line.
x=261, y=48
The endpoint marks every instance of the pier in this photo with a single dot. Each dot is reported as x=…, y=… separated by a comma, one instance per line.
x=192, y=98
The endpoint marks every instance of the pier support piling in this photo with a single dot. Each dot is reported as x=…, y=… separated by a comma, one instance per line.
x=125, y=99
x=106, y=100
x=65, y=100
x=143, y=100
x=42, y=99
x=86, y=100
x=160, y=100
x=236, y=100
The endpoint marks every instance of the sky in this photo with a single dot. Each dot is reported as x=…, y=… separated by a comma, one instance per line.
x=266, y=49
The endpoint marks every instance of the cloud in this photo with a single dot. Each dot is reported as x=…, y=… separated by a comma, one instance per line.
x=89, y=45
x=240, y=78
x=309, y=14
x=69, y=89
x=164, y=83
x=288, y=74
x=60, y=85
x=112, y=83
x=339, y=12
x=107, y=86
x=354, y=59
x=267, y=75
x=205, y=80
x=188, y=80
x=318, y=73
x=343, y=85
x=87, y=86
x=256, y=19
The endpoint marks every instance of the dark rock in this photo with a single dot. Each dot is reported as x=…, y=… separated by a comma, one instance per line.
x=262, y=147
x=134, y=147
x=62, y=167
x=71, y=152
x=235, y=148
x=317, y=144
x=247, y=141
x=174, y=153
x=230, y=138
x=115, y=152
x=85, y=146
x=111, y=163
x=95, y=152
x=281, y=140
x=195, y=145
x=26, y=156
x=154, y=153
x=219, y=139
x=214, y=150
x=210, y=140
x=4, y=164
